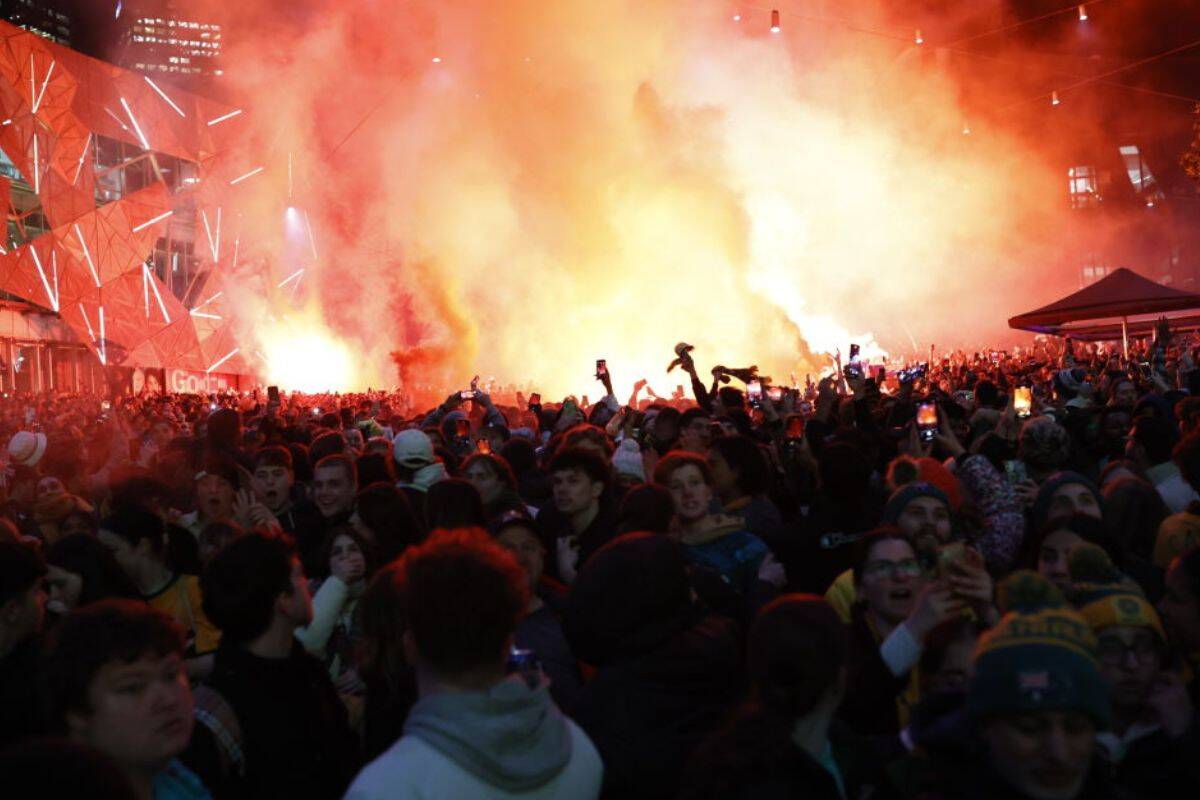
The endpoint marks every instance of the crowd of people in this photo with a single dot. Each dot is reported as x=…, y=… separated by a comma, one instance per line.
x=974, y=577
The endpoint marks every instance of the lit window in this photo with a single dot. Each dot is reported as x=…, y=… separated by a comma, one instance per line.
x=1082, y=183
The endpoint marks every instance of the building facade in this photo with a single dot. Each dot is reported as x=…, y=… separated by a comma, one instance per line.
x=114, y=187
x=166, y=38
x=52, y=19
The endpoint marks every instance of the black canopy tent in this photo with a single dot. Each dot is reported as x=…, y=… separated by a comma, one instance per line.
x=1121, y=304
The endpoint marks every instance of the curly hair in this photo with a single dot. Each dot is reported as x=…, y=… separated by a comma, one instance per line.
x=1044, y=444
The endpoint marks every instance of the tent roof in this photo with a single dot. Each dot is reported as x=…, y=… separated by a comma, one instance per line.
x=1120, y=294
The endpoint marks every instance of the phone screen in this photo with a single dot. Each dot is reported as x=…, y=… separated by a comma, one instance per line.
x=754, y=391
x=853, y=353
x=795, y=428
x=927, y=415
x=601, y=367
x=1023, y=401
x=483, y=446
x=273, y=394
x=535, y=399
x=775, y=393
x=467, y=394
x=462, y=427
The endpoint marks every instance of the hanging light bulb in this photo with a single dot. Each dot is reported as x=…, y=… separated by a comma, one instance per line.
x=774, y=21
x=1083, y=17
x=1054, y=101
x=918, y=38
x=737, y=17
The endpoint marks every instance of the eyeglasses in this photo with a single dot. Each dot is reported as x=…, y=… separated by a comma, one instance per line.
x=909, y=567
x=1112, y=650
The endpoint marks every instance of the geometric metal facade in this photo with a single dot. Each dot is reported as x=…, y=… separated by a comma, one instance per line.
x=79, y=247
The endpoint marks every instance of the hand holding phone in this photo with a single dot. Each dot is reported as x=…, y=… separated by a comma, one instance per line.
x=1023, y=401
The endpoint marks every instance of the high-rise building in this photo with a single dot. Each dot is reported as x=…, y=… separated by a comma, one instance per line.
x=49, y=18
x=165, y=38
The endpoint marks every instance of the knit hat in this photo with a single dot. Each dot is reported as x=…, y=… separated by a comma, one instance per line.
x=1041, y=506
x=1105, y=597
x=935, y=472
x=1039, y=657
x=1176, y=534
x=905, y=495
x=627, y=460
x=26, y=448
x=412, y=448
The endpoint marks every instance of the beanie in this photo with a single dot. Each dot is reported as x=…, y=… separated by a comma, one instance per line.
x=627, y=460
x=1177, y=534
x=1039, y=657
x=1041, y=506
x=1105, y=597
x=905, y=495
x=935, y=472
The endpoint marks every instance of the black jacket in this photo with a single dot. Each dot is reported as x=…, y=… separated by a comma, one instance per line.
x=297, y=741
x=753, y=758
x=647, y=713
x=869, y=707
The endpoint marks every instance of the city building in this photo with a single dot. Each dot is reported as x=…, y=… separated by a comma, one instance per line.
x=167, y=38
x=49, y=18
x=113, y=185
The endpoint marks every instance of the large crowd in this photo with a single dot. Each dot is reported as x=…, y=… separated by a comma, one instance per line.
x=977, y=576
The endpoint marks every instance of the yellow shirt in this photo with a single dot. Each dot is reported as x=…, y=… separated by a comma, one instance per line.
x=841, y=595
x=181, y=600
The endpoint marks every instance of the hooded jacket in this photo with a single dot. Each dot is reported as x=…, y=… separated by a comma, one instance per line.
x=508, y=741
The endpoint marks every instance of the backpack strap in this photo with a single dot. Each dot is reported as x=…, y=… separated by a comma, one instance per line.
x=214, y=712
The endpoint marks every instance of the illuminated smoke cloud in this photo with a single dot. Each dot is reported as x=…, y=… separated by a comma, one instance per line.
x=580, y=180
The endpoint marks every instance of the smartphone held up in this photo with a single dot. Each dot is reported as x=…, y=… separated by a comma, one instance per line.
x=1023, y=401
x=927, y=421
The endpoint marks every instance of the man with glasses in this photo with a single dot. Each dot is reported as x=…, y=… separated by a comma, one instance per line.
x=897, y=606
x=1154, y=744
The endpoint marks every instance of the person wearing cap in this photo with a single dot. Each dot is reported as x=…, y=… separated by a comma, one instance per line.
x=27, y=448
x=1154, y=746
x=216, y=486
x=540, y=630
x=417, y=468
x=1034, y=704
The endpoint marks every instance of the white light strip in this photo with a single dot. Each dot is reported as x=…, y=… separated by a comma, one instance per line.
x=206, y=302
x=163, y=95
x=157, y=295
x=32, y=85
x=217, y=246
x=87, y=322
x=82, y=157
x=221, y=119
x=42, y=94
x=146, y=290
x=290, y=278
x=236, y=244
x=54, y=269
x=124, y=127
x=37, y=260
x=249, y=174
x=137, y=128
x=208, y=233
x=312, y=242
x=103, y=340
x=221, y=361
x=203, y=315
x=87, y=255
x=150, y=222
x=289, y=176
x=37, y=167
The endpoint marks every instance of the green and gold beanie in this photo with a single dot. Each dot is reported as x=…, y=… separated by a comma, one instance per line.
x=1039, y=657
x=1104, y=597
